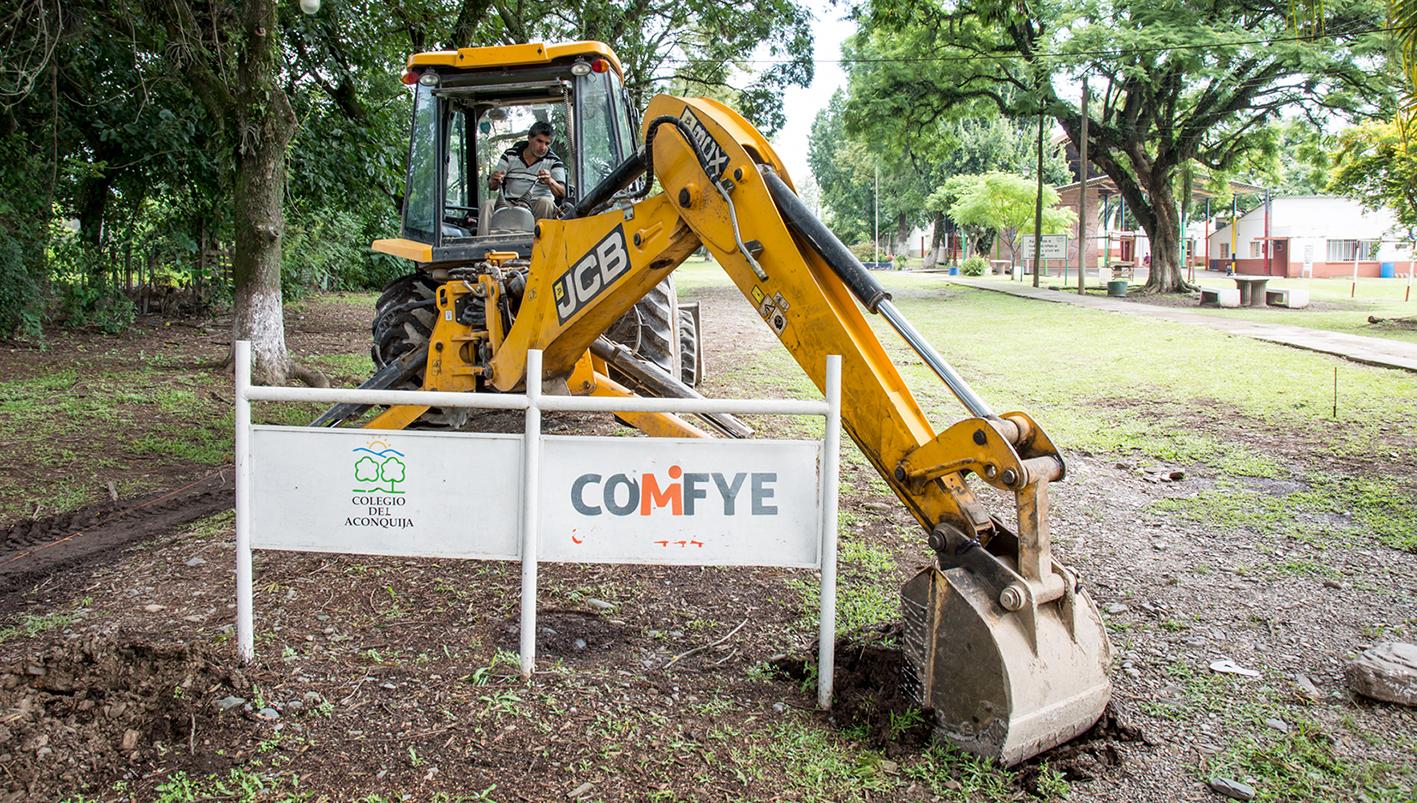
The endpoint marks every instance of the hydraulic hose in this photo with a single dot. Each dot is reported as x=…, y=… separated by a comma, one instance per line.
x=633, y=167
x=866, y=289
x=845, y=265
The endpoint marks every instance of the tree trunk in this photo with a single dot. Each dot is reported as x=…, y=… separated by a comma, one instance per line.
x=93, y=203
x=937, y=233
x=265, y=123
x=1162, y=229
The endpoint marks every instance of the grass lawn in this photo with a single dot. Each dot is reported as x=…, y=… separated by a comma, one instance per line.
x=1168, y=393
x=1334, y=309
x=1331, y=306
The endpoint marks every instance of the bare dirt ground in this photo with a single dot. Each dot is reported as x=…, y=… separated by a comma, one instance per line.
x=398, y=677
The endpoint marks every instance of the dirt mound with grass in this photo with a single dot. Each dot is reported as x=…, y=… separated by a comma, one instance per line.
x=870, y=690
x=84, y=714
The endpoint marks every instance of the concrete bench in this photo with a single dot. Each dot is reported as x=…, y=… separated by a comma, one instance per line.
x=1220, y=296
x=1291, y=297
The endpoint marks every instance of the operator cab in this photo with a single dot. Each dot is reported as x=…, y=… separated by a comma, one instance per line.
x=472, y=105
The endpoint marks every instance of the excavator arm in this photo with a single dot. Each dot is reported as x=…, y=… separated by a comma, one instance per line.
x=1008, y=650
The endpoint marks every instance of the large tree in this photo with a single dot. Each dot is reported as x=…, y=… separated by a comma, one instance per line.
x=1175, y=82
x=250, y=108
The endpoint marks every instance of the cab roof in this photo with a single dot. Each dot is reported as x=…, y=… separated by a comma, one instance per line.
x=531, y=53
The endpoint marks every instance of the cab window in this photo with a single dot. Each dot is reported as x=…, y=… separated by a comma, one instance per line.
x=420, y=214
x=459, y=195
x=600, y=149
x=502, y=127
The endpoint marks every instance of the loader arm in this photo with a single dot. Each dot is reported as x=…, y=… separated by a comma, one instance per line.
x=1008, y=649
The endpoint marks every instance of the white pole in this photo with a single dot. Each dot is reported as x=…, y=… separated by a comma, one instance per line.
x=877, y=202
x=826, y=636
x=245, y=635
x=531, y=473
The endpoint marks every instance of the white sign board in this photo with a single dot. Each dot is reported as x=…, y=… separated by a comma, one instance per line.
x=680, y=501
x=622, y=500
x=1055, y=246
x=385, y=493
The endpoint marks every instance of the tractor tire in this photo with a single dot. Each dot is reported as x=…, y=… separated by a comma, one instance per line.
x=403, y=317
x=651, y=329
x=403, y=320
x=690, y=367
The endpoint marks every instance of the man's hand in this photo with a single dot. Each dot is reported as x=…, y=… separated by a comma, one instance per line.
x=545, y=178
x=495, y=180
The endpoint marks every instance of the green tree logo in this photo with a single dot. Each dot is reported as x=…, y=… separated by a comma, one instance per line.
x=379, y=472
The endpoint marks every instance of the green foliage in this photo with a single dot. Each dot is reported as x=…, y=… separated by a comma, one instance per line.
x=327, y=248
x=137, y=132
x=974, y=266
x=1377, y=167
x=101, y=307
x=844, y=172
x=1006, y=204
x=21, y=306
x=864, y=250
x=1185, y=82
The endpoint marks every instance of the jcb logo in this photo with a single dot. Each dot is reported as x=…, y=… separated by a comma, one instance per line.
x=713, y=153
x=629, y=495
x=589, y=277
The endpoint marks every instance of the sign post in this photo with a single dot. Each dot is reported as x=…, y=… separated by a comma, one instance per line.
x=245, y=635
x=531, y=477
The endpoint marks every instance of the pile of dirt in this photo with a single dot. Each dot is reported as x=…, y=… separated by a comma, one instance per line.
x=870, y=688
x=1091, y=754
x=82, y=715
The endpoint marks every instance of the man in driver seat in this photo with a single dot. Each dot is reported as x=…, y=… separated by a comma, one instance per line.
x=531, y=172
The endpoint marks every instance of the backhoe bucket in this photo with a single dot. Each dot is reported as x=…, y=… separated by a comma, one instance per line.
x=1003, y=684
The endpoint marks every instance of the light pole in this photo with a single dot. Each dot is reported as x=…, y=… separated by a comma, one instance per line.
x=877, y=202
x=1082, y=197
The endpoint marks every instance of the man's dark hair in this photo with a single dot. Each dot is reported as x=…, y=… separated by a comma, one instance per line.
x=539, y=128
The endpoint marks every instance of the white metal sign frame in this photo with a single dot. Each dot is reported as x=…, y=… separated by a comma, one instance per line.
x=532, y=403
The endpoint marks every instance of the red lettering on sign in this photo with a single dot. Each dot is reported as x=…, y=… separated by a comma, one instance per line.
x=652, y=496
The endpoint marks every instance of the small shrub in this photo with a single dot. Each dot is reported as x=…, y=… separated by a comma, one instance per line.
x=864, y=251
x=974, y=266
x=102, y=307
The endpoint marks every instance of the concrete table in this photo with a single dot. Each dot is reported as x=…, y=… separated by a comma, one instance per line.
x=1251, y=290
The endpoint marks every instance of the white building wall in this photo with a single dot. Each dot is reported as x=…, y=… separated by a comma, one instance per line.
x=1310, y=222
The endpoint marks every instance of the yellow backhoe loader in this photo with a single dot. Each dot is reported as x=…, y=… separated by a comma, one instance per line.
x=1007, y=649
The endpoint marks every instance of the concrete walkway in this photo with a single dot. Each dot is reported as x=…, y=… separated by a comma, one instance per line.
x=1359, y=348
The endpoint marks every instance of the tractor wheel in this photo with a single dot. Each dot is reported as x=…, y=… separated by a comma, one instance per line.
x=403, y=320
x=403, y=317
x=651, y=329
x=689, y=344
